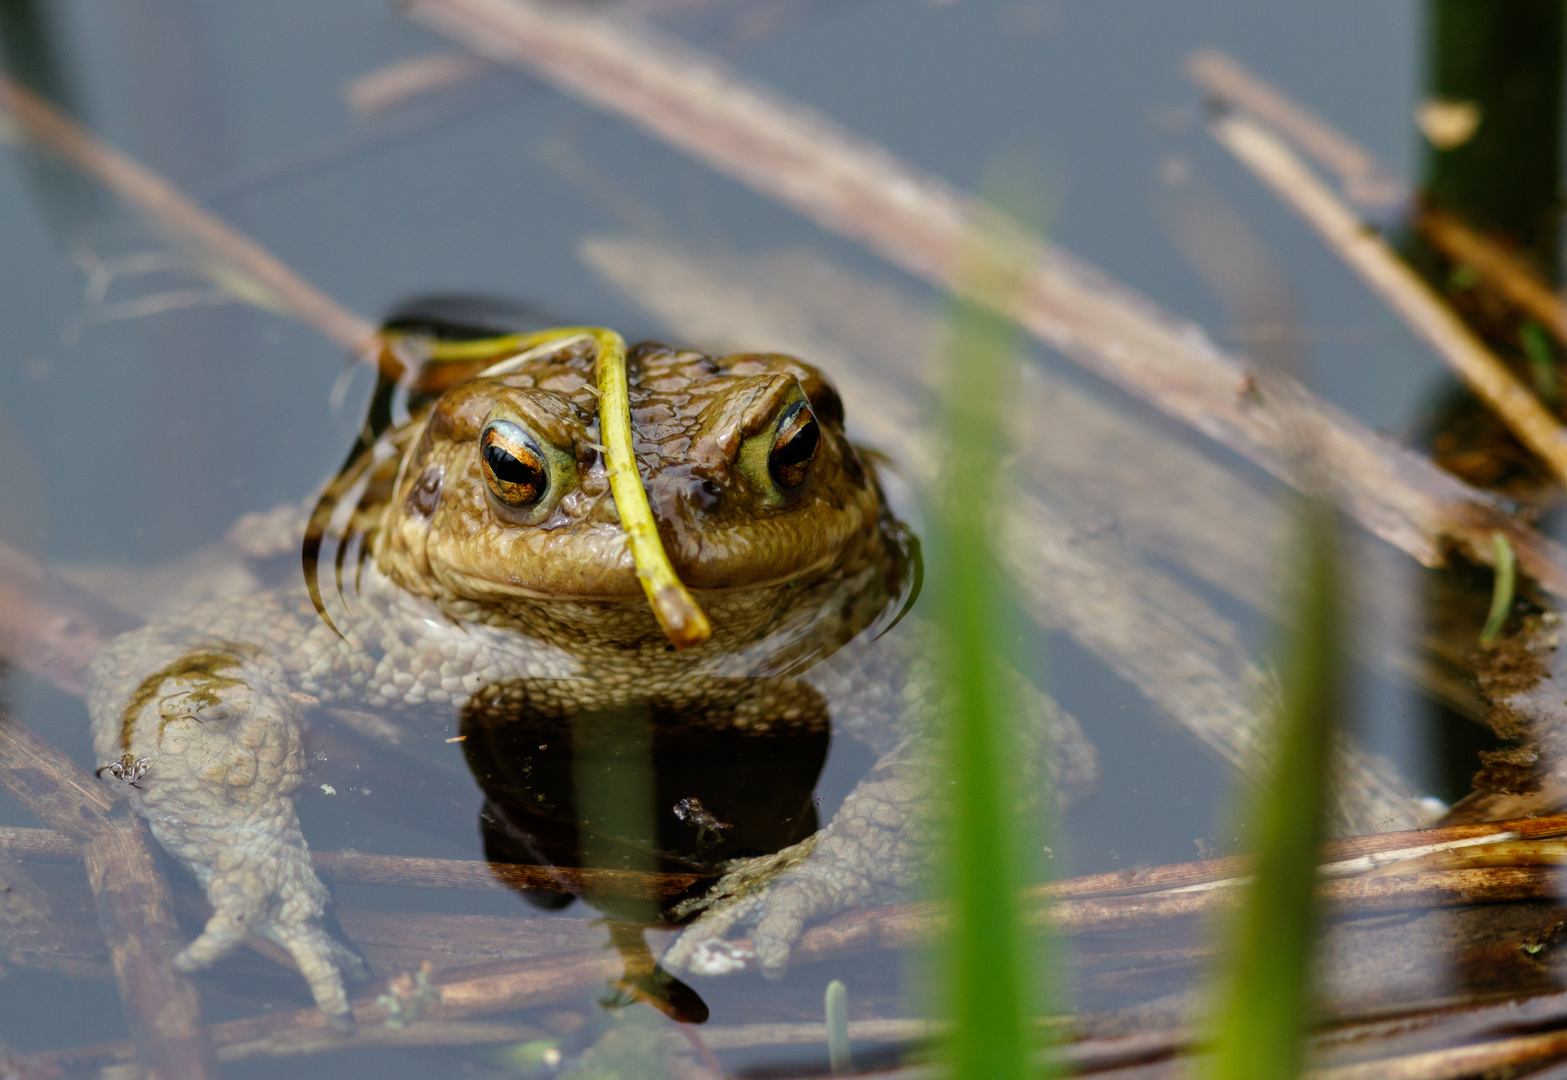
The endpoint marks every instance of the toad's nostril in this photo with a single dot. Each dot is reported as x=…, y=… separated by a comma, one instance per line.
x=425, y=492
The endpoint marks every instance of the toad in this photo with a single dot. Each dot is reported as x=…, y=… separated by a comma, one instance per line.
x=495, y=573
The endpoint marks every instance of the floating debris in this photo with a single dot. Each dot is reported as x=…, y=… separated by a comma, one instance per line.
x=408, y=995
x=691, y=810
x=129, y=768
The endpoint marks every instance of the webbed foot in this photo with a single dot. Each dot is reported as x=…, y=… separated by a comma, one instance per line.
x=868, y=854
x=214, y=740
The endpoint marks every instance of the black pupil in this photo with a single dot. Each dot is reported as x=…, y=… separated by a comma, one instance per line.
x=794, y=452
x=511, y=470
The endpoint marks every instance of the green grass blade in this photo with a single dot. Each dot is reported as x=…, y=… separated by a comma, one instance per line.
x=1265, y=1002
x=1542, y=361
x=987, y=961
x=1503, y=587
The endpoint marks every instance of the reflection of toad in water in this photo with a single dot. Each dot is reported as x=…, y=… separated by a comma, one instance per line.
x=678, y=785
x=670, y=785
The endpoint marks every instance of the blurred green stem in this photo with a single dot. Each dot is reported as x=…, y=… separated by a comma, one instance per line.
x=1265, y=1002
x=1542, y=361
x=1501, y=591
x=988, y=964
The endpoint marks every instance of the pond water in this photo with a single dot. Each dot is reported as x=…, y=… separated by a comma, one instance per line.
x=145, y=410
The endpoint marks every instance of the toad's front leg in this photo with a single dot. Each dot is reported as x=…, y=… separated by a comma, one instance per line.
x=870, y=853
x=218, y=733
x=877, y=846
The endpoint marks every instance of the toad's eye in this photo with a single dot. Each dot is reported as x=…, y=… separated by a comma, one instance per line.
x=799, y=437
x=514, y=468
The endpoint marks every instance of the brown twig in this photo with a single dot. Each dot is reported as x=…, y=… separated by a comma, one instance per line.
x=1106, y=1058
x=305, y=1039
x=456, y=874
x=1364, y=250
x=458, y=993
x=1498, y=1057
x=1335, y=855
x=1508, y=274
x=901, y=926
x=47, y=844
x=917, y=222
x=392, y=85
x=48, y=626
x=134, y=904
x=1364, y=179
x=361, y=869
x=240, y=261
x=413, y=872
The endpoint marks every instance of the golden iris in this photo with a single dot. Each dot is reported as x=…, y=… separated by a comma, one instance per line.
x=799, y=437
x=513, y=466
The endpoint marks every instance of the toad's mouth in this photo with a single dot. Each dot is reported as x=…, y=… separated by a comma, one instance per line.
x=592, y=561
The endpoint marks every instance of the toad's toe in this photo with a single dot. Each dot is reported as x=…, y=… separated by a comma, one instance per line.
x=694, y=950
x=321, y=961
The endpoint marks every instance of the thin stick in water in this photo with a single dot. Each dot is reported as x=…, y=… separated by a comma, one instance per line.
x=1365, y=252
x=239, y=261
x=1366, y=181
x=135, y=906
x=677, y=612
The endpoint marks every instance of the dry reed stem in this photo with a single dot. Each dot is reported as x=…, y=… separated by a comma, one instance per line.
x=49, y=626
x=1099, y=903
x=390, y=86
x=459, y=874
x=1364, y=250
x=464, y=875
x=917, y=222
x=1365, y=181
x=460, y=992
x=135, y=907
x=293, y=1042
x=1103, y=1057
x=231, y=250
x=348, y=866
x=1498, y=1057
x=1363, y=177
x=46, y=844
x=900, y=926
x=1507, y=273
